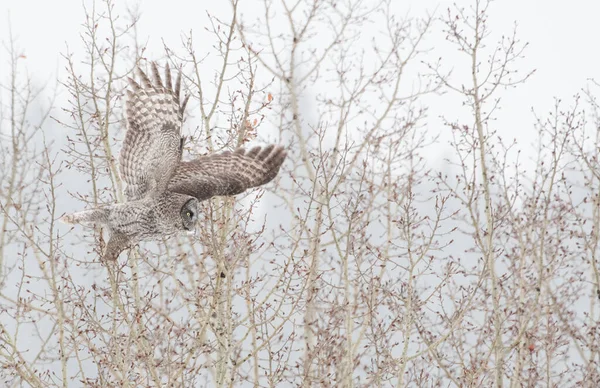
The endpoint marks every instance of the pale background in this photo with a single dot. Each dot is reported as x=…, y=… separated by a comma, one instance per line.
x=562, y=49
x=562, y=40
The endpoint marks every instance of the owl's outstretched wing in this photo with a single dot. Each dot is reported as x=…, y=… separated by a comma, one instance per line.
x=151, y=149
x=227, y=173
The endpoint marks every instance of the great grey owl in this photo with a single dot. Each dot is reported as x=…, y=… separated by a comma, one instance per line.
x=162, y=191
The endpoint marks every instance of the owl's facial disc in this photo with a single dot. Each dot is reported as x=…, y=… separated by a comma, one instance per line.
x=189, y=216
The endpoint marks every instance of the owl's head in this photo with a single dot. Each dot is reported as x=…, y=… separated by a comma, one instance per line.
x=189, y=214
x=179, y=213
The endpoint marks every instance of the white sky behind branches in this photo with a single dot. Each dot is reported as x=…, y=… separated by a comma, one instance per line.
x=561, y=36
x=562, y=39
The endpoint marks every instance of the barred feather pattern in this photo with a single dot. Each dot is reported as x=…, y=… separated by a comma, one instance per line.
x=88, y=217
x=152, y=147
x=227, y=173
x=162, y=192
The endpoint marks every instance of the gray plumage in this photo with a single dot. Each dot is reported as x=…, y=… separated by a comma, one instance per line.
x=162, y=192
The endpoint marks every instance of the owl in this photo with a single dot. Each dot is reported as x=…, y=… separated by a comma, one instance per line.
x=162, y=191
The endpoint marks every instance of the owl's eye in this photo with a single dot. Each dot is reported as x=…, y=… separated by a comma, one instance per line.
x=189, y=214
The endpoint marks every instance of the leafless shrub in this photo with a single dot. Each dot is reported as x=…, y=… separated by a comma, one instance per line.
x=361, y=265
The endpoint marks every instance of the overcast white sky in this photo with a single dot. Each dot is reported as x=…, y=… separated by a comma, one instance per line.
x=562, y=36
x=562, y=40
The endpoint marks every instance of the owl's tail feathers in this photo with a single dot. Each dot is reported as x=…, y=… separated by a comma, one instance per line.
x=87, y=217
